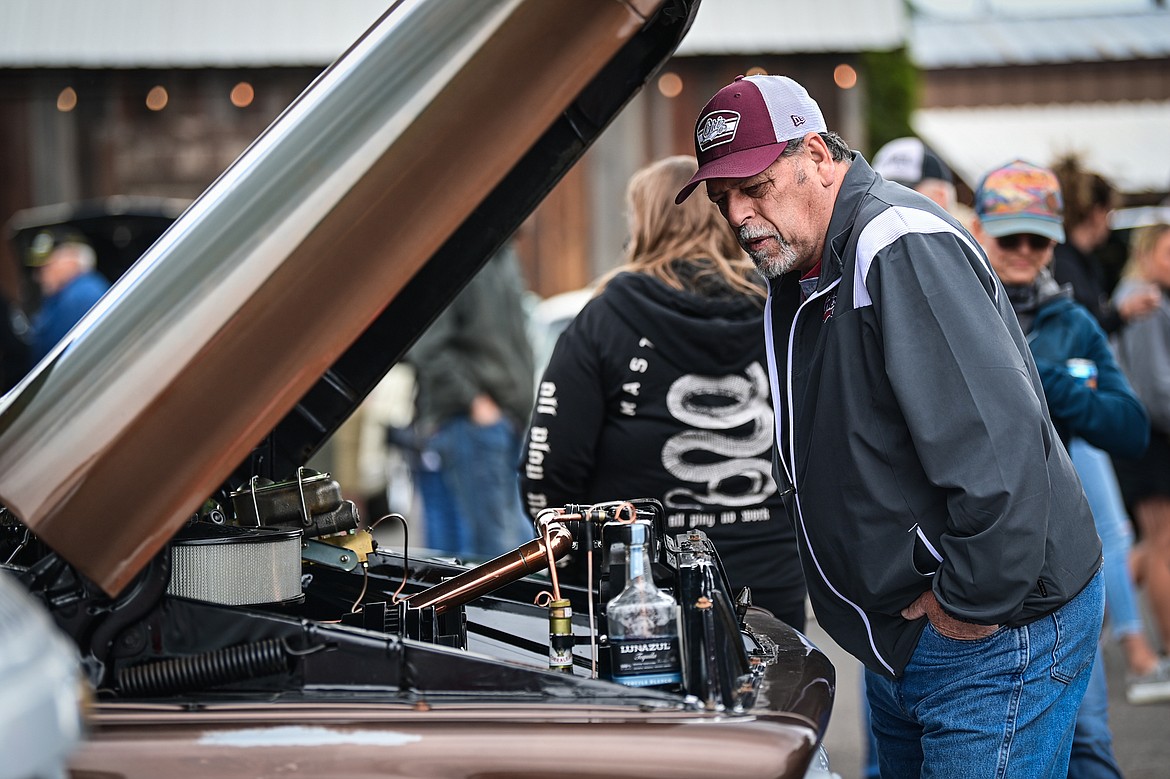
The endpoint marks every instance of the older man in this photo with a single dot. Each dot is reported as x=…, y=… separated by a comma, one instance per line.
x=945, y=538
x=63, y=265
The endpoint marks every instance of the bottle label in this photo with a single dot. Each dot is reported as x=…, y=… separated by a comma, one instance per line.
x=560, y=652
x=642, y=662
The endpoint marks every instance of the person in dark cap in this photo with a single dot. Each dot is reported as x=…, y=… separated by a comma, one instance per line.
x=63, y=266
x=945, y=539
x=912, y=163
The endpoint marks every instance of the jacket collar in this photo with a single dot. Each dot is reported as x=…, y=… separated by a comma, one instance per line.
x=1049, y=297
x=859, y=177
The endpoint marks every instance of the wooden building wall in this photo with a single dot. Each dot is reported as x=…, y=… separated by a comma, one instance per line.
x=111, y=143
x=1080, y=82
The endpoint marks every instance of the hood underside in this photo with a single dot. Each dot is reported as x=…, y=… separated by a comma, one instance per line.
x=247, y=334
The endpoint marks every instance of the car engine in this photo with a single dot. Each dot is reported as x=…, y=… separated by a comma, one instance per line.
x=280, y=589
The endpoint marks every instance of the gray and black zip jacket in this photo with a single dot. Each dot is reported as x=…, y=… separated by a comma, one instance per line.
x=913, y=430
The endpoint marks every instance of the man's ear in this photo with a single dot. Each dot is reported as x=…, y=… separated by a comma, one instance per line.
x=822, y=158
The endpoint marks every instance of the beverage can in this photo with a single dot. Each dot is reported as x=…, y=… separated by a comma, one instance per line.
x=1083, y=370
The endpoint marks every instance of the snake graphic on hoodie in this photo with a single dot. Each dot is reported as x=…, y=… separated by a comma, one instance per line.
x=653, y=392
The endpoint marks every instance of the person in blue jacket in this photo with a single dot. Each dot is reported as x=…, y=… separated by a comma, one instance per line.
x=1019, y=223
x=63, y=265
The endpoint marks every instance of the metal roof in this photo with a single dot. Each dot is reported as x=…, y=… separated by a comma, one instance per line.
x=772, y=27
x=937, y=43
x=1126, y=142
x=262, y=33
x=205, y=33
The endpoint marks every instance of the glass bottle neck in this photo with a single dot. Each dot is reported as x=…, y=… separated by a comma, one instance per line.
x=636, y=563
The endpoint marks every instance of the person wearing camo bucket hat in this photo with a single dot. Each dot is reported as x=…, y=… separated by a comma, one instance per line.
x=942, y=528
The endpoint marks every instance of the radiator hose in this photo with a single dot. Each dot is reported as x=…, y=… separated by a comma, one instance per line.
x=199, y=672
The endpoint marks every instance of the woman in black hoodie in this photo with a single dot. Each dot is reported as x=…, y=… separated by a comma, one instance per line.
x=658, y=389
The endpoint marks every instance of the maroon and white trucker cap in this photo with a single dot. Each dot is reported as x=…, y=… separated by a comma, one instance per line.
x=743, y=129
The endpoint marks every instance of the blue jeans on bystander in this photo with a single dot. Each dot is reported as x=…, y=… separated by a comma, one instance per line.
x=1001, y=706
x=1092, y=749
x=444, y=528
x=470, y=491
x=1092, y=752
x=1113, y=525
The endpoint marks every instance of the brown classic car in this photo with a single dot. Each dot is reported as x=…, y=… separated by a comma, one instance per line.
x=232, y=616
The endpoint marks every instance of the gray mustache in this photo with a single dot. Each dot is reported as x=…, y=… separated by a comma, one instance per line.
x=747, y=233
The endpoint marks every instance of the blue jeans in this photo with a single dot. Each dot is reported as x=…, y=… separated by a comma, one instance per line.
x=1113, y=525
x=1002, y=706
x=1092, y=749
x=470, y=489
x=445, y=528
x=1092, y=752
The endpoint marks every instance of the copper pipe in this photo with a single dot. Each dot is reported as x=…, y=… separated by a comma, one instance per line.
x=489, y=577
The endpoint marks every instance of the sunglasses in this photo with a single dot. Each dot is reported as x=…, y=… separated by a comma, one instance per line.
x=1012, y=242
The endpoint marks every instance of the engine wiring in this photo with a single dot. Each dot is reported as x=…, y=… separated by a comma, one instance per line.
x=395, y=598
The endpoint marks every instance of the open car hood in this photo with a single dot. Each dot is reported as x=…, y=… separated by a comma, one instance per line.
x=244, y=337
x=283, y=637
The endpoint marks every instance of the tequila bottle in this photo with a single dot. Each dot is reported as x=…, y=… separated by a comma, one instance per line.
x=643, y=624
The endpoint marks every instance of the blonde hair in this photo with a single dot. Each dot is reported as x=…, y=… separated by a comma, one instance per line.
x=1141, y=245
x=665, y=236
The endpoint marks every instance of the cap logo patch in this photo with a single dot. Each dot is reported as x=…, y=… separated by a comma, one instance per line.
x=716, y=129
x=797, y=121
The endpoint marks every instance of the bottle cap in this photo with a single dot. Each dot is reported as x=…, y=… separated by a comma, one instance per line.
x=638, y=533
